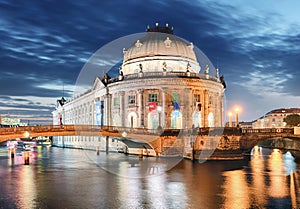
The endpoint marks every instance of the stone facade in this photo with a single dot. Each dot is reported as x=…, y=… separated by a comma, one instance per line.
x=159, y=86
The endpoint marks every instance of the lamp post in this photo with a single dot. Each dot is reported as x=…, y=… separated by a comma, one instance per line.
x=237, y=116
x=230, y=119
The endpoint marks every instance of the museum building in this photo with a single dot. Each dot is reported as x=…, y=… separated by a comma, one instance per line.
x=160, y=85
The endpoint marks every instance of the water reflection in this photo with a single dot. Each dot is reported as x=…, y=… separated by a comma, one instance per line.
x=258, y=181
x=289, y=163
x=26, y=188
x=236, y=190
x=278, y=184
x=65, y=178
x=155, y=184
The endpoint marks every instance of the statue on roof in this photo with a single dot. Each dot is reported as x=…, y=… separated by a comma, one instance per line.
x=206, y=69
x=188, y=66
x=164, y=66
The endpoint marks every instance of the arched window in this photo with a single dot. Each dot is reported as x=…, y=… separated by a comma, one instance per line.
x=211, y=120
x=197, y=120
x=132, y=120
x=176, y=120
x=116, y=120
x=153, y=119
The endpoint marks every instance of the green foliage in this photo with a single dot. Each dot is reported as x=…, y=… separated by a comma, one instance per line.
x=292, y=120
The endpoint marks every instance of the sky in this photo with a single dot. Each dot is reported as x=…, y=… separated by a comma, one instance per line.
x=45, y=44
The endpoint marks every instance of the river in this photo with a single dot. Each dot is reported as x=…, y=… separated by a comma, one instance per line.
x=72, y=178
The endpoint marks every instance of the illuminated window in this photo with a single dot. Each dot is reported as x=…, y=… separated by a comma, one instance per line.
x=176, y=97
x=153, y=98
x=131, y=99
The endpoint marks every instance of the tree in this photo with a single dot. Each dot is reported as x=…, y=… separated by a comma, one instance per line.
x=292, y=120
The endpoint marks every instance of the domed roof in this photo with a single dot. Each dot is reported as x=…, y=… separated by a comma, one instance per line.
x=160, y=44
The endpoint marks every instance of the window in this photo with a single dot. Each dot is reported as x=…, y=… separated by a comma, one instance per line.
x=116, y=101
x=153, y=98
x=131, y=99
x=175, y=97
x=210, y=100
x=197, y=97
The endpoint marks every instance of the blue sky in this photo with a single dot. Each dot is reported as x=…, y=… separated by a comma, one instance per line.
x=45, y=44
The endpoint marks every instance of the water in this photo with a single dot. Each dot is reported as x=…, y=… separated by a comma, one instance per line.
x=70, y=178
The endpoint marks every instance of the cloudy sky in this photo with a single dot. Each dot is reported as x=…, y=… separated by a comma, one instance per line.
x=45, y=44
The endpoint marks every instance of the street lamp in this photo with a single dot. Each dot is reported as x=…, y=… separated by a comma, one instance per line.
x=237, y=116
x=26, y=134
x=230, y=119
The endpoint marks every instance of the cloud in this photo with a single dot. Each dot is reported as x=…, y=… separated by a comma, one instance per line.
x=261, y=83
x=254, y=47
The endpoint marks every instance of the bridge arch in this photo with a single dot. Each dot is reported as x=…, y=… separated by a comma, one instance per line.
x=85, y=136
x=279, y=143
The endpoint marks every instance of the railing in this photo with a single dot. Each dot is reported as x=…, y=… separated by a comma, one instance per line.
x=145, y=131
x=268, y=131
x=167, y=74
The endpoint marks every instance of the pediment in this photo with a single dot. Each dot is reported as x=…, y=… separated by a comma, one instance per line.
x=98, y=84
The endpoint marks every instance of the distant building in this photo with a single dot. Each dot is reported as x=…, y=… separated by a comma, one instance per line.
x=274, y=118
x=7, y=120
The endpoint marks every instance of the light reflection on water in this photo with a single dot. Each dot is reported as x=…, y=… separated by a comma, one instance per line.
x=67, y=178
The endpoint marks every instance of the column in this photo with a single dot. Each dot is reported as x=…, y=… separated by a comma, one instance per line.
x=163, y=109
x=186, y=118
x=217, y=106
x=222, y=109
x=205, y=108
x=93, y=112
x=140, y=108
x=121, y=103
x=107, y=109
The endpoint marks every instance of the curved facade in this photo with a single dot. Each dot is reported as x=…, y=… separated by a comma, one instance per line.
x=160, y=85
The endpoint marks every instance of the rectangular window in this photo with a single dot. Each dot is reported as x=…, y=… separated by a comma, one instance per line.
x=210, y=100
x=197, y=98
x=153, y=98
x=176, y=97
x=116, y=101
x=131, y=99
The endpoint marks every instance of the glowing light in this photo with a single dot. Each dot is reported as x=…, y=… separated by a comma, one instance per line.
x=236, y=109
x=124, y=134
x=26, y=134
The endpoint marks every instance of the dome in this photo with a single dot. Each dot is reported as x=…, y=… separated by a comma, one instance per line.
x=160, y=50
x=157, y=43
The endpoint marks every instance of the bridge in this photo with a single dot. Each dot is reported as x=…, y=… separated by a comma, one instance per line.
x=200, y=143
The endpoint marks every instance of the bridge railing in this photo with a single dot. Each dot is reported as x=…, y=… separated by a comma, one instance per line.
x=268, y=131
x=145, y=131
